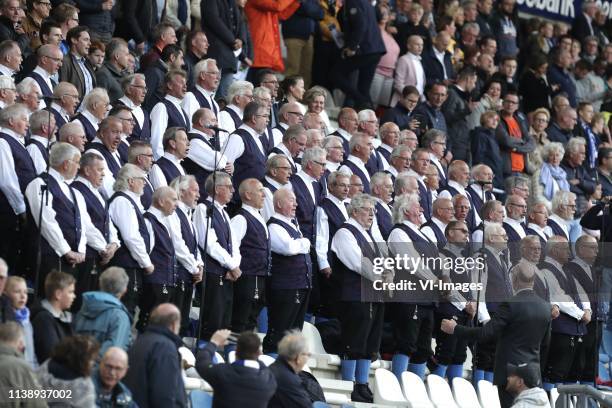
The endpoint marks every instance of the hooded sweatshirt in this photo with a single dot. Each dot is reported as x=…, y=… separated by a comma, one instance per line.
x=533, y=397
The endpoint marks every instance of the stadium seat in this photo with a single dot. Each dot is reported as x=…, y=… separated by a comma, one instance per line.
x=554, y=395
x=439, y=392
x=487, y=394
x=464, y=393
x=315, y=344
x=387, y=390
x=200, y=399
x=414, y=391
x=267, y=360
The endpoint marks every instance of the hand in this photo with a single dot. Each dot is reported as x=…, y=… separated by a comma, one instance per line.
x=587, y=316
x=108, y=253
x=470, y=309
x=149, y=270
x=229, y=168
x=197, y=277
x=414, y=124
x=554, y=312
x=219, y=338
x=347, y=53
x=472, y=105
x=237, y=44
x=448, y=326
x=326, y=272
x=74, y=258
x=19, y=29
x=574, y=182
x=248, y=62
x=388, y=275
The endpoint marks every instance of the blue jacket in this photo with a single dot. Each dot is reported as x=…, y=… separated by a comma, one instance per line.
x=556, y=75
x=104, y=317
x=120, y=397
x=302, y=24
x=361, y=31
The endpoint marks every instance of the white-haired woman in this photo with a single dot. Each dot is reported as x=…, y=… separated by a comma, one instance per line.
x=550, y=177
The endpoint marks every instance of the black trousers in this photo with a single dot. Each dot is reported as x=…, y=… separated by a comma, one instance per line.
x=586, y=360
x=87, y=277
x=412, y=330
x=152, y=295
x=449, y=348
x=216, y=312
x=183, y=293
x=131, y=299
x=365, y=66
x=361, y=324
x=249, y=299
x=13, y=246
x=51, y=262
x=286, y=310
x=562, y=352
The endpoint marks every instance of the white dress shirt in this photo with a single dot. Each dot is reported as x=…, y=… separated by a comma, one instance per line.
x=50, y=229
x=215, y=250
x=190, y=103
x=308, y=180
x=182, y=252
x=137, y=111
x=283, y=148
x=203, y=155
x=516, y=226
x=347, y=249
x=562, y=223
x=123, y=215
x=239, y=223
x=163, y=219
x=63, y=113
x=109, y=180
x=113, y=238
x=226, y=122
x=4, y=70
x=429, y=232
x=418, y=71
x=281, y=242
x=235, y=145
x=357, y=161
x=278, y=135
x=9, y=183
x=156, y=175
x=159, y=124
x=36, y=155
x=268, y=208
x=95, y=122
x=440, y=57
x=400, y=244
x=322, y=225
x=47, y=78
x=543, y=233
x=558, y=296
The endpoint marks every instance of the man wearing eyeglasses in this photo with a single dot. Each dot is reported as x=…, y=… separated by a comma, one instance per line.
x=201, y=94
x=443, y=213
x=10, y=24
x=289, y=115
x=563, y=210
x=134, y=90
x=49, y=62
x=105, y=144
x=514, y=223
x=38, y=10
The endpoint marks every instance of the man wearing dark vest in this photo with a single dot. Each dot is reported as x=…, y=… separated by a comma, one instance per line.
x=368, y=124
x=568, y=330
x=126, y=212
x=382, y=191
x=353, y=251
x=49, y=61
x=207, y=77
x=434, y=229
x=239, y=94
x=168, y=112
x=389, y=135
x=87, y=182
x=516, y=209
x=434, y=141
x=420, y=164
x=159, y=286
x=290, y=114
x=457, y=183
x=290, y=278
x=251, y=233
x=222, y=255
x=413, y=322
x=124, y=114
x=400, y=159
x=16, y=172
x=140, y=154
x=65, y=103
x=65, y=225
x=451, y=351
x=537, y=217
x=331, y=214
x=263, y=96
x=278, y=173
x=360, y=147
x=520, y=329
x=347, y=126
x=168, y=167
x=267, y=79
x=481, y=173
x=532, y=251
x=563, y=210
x=581, y=268
x=106, y=146
x=292, y=145
x=244, y=148
x=95, y=107
x=135, y=89
x=189, y=260
x=200, y=160
x=41, y=129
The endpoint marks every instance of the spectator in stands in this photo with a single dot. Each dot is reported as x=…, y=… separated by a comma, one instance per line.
x=37, y=11
x=10, y=24
x=292, y=90
x=435, y=71
x=604, y=163
x=17, y=294
x=98, y=18
x=562, y=128
x=559, y=74
x=504, y=26
x=110, y=391
x=111, y=73
x=456, y=108
x=590, y=88
x=135, y=23
x=293, y=355
x=400, y=114
x=15, y=372
x=69, y=369
x=409, y=70
x=506, y=74
x=550, y=177
x=67, y=17
x=489, y=100
x=162, y=36
x=51, y=319
x=248, y=382
x=430, y=113
x=171, y=59
x=485, y=148
x=76, y=69
x=95, y=56
x=155, y=373
x=197, y=46
x=584, y=25
x=524, y=382
x=103, y=316
x=581, y=181
x=314, y=99
x=534, y=86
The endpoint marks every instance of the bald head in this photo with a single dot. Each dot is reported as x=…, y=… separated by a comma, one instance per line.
x=116, y=354
x=166, y=315
x=284, y=202
x=252, y=193
x=165, y=199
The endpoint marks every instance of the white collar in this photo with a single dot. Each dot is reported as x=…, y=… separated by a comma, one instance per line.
x=554, y=263
x=41, y=139
x=306, y=177
x=199, y=132
x=219, y=206
x=176, y=101
x=254, y=211
x=184, y=207
x=135, y=197
x=582, y=264
x=459, y=187
x=128, y=102
x=413, y=57
x=356, y=160
x=250, y=130
x=157, y=214
x=562, y=223
x=56, y=175
x=439, y=223
x=345, y=135
x=337, y=202
x=172, y=158
x=43, y=72
x=5, y=69
x=284, y=218
x=386, y=147
x=235, y=108
x=331, y=166
x=412, y=226
x=362, y=230
x=276, y=183
x=392, y=170
x=209, y=94
x=98, y=140
x=60, y=110
x=91, y=118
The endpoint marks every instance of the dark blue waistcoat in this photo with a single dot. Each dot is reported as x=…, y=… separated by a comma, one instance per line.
x=97, y=212
x=190, y=241
x=175, y=117
x=565, y=324
x=255, y=247
x=224, y=237
x=252, y=163
x=191, y=167
x=335, y=218
x=24, y=168
x=162, y=255
x=440, y=237
x=305, y=212
x=46, y=91
x=384, y=220
x=41, y=148
x=357, y=171
x=168, y=168
x=290, y=272
x=123, y=257
x=90, y=131
x=235, y=117
x=111, y=161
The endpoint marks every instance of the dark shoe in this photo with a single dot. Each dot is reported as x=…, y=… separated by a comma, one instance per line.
x=360, y=394
x=367, y=391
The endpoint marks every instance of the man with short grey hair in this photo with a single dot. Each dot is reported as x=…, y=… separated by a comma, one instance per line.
x=73, y=133
x=293, y=355
x=134, y=90
x=168, y=167
x=278, y=173
x=42, y=129
x=102, y=314
x=65, y=104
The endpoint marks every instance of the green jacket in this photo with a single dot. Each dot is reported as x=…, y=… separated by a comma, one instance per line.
x=16, y=374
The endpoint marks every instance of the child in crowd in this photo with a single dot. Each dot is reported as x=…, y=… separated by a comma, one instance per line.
x=17, y=292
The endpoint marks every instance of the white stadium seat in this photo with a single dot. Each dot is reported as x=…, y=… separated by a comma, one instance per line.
x=387, y=390
x=439, y=392
x=414, y=391
x=464, y=393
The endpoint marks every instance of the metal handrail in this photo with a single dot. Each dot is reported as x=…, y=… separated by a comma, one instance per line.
x=585, y=394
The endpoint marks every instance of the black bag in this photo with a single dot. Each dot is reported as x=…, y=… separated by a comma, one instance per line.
x=312, y=386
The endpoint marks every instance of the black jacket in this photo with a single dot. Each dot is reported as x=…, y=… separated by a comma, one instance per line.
x=290, y=392
x=432, y=67
x=48, y=331
x=154, y=79
x=93, y=16
x=235, y=385
x=456, y=108
x=136, y=21
x=398, y=115
x=109, y=78
x=508, y=144
x=535, y=92
x=521, y=326
x=221, y=23
x=485, y=150
x=7, y=32
x=154, y=376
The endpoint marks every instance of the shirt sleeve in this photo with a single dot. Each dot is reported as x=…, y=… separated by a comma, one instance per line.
x=234, y=148
x=282, y=243
x=94, y=237
x=50, y=229
x=239, y=229
x=190, y=105
x=400, y=244
x=157, y=178
x=322, y=242
x=108, y=181
x=123, y=215
x=268, y=208
x=37, y=158
x=559, y=298
x=183, y=256
x=159, y=123
x=214, y=249
x=9, y=183
x=346, y=248
x=204, y=156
